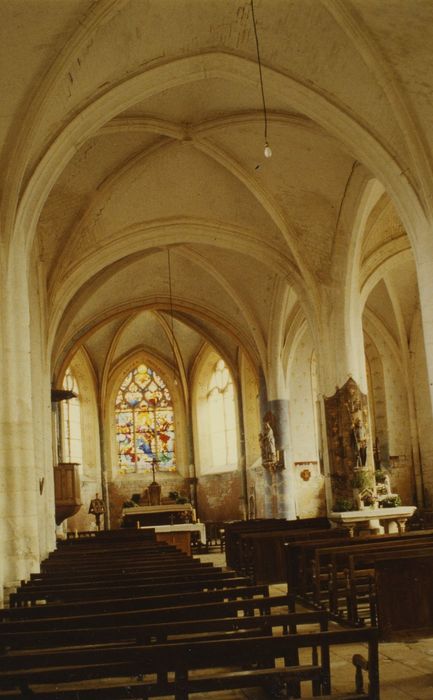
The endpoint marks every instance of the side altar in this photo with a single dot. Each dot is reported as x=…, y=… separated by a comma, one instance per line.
x=374, y=520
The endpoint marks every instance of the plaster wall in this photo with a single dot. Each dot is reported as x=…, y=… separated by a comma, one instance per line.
x=220, y=496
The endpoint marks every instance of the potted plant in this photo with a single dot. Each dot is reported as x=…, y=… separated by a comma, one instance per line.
x=342, y=505
x=391, y=501
x=362, y=479
x=380, y=476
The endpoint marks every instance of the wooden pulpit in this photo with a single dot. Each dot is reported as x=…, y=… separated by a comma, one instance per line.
x=67, y=490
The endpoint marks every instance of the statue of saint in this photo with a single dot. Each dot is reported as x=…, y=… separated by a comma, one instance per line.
x=359, y=438
x=267, y=444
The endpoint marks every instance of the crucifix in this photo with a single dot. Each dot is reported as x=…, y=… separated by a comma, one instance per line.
x=154, y=488
x=154, y=463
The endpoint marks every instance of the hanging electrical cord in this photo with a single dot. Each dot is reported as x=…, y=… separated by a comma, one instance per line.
x=267, y=149
x=172, y=337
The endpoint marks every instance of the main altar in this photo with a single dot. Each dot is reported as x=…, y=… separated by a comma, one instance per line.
x=165, y=514
x=173, y=523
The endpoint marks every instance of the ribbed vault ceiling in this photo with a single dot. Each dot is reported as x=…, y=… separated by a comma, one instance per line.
x=180, y=165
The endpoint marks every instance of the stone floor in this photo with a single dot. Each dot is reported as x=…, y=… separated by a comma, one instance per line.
x=406, y=665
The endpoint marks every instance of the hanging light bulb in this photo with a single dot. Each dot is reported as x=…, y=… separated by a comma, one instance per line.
x=267, y=150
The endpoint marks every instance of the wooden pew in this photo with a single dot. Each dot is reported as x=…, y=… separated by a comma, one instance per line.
x=27, y=595
x=152, y=632
x=357, y=558
x=119, y=618
x=383, y=610
x=79, y=570
x=310, y=563
x=73, y=608
x=262, y=554
x=404, y=594
x=234, y=530
x=118, y=578
x=45, y=589
x=99, y=640
x=132, y=569
x=252, y=663
x=353, y=595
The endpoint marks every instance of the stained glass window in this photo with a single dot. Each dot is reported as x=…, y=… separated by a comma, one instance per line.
x=222, y=417
x=144, y=422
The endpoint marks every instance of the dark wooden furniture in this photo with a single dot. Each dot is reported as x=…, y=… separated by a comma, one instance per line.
x=102, y=618
x=235, y=531
x=67, y=491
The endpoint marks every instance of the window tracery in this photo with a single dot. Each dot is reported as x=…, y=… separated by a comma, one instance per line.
x=144, y=422
x=222, y=417
x=71, y=438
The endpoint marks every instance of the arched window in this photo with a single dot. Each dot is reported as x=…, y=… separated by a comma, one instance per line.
x=71, y=438
x=222, y=417
x=144, y=422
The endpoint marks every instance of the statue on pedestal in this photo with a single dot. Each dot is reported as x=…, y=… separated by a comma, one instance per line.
x=267, y=445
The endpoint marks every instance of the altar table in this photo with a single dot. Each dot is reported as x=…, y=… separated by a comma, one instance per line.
x=166, y=514
x=178, y=535
x=374, y=520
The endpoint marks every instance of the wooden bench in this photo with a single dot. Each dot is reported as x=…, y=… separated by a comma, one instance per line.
x=119, y=618
x=118, y=578
x=357, y=560
x=80, y=607
x=78, y=573
x=234, y=531
x=262, y=554
x=310, y=563
x=118, y=642
x=253, y=662
x=43, y=594
x=153, y=632
x=350, y=573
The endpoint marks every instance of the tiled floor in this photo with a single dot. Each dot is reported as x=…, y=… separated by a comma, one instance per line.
x=406, y=666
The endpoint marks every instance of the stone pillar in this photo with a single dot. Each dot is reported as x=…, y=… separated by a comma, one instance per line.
x=19, y=484
x=103, y=449
x=343, y=383
x=424, y=473
x=279, y=410
x=279, y=488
